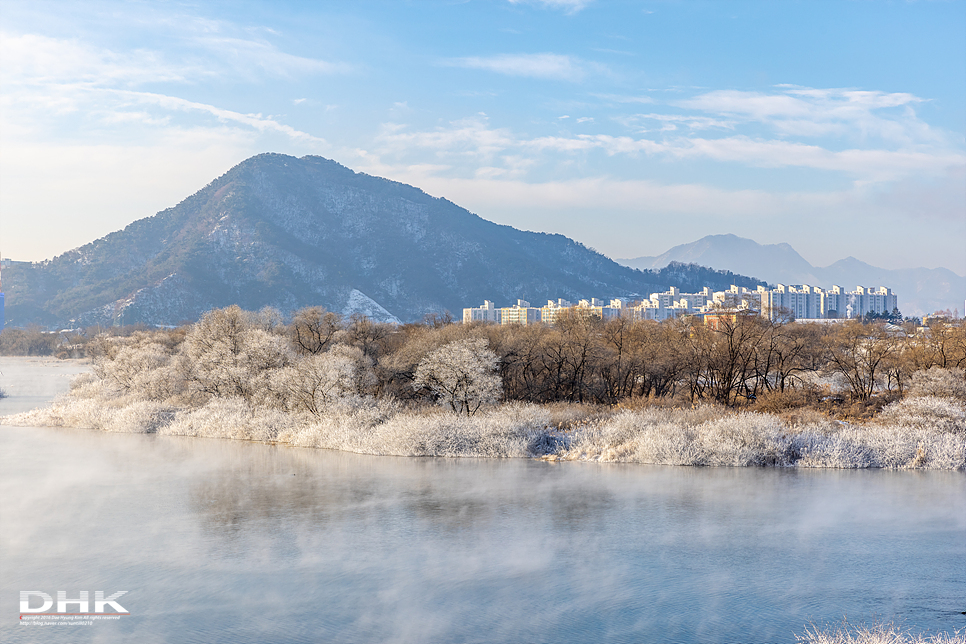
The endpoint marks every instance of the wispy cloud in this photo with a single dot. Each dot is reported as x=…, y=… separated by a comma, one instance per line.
x=642, y=123
x=570, y=6
x=546, y=65
x=801, y=111
x=47, y=78
x=40, y=60
x=672, y=140
x=249, y=54
x=257, y=122
x=617, y=98
x=467, y=137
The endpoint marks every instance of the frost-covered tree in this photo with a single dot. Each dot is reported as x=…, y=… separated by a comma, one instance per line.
x=339, y=376
x=461, y=374
x=147, y=371
x=226, y=354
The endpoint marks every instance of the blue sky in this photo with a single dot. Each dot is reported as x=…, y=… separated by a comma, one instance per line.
x=838, y=127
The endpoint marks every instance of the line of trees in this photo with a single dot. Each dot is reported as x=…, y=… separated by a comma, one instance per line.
x=318, y=358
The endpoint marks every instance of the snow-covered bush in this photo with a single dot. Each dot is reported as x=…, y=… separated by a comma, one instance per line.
x=927, y=412
x=943, y=383
x=509, y=431
x=231, y=418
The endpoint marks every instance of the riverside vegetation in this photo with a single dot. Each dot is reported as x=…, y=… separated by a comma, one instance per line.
x=750, y=392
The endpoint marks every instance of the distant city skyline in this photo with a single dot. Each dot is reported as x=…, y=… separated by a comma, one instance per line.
x=838, y=127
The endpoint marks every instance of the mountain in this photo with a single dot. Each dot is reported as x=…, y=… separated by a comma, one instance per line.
x=919, y=290
x=290, y=232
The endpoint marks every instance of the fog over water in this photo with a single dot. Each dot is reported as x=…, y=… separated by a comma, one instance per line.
x=232, y=541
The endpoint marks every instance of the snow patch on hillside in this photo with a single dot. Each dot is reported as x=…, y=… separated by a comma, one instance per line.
x=362, y=304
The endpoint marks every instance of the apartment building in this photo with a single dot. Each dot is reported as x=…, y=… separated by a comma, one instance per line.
x=799, y=302
x=803, y=302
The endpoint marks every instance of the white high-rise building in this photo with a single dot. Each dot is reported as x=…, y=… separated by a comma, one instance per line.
x=486, y=313
x=799, y=302
x=812, y=302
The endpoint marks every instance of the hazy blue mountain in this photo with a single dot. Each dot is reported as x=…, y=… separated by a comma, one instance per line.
x=920, y=290
x=281, y=231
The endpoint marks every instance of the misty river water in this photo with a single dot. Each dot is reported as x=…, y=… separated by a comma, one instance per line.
x=226, y=541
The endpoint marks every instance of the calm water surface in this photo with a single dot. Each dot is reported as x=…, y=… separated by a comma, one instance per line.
x=219, y=541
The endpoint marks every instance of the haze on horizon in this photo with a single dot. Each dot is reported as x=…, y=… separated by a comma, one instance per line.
x=838, y=127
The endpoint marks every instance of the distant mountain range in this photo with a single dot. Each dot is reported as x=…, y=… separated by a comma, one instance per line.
x=281, y=231
x=919, y=290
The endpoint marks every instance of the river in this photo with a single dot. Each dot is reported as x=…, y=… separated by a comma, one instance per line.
x=226, y=541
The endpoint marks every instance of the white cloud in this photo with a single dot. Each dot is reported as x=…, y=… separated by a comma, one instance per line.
x=546, y=65
x=844, y=113
x=570, y=6
x=468, y=137
x=670, y=122
x=473, y=139
x=245, y=55
x=37, y=60
x=47, y=80
x=617, y=98
x=255, y=121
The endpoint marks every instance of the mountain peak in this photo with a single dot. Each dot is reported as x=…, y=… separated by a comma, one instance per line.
x=276, y=230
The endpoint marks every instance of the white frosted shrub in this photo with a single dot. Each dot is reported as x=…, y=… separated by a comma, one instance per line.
x=230, y=418
x=876, y=634
x=141, y=416
x=676, y=437
x=682, y=437
x=939, y=382
x=510, y=431
x=646, y=436
x=89, y=386
x=345, y=428
x=80, y=381
x=927, y=412
x=743, y=440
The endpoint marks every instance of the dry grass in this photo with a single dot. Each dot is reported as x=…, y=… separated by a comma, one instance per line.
x=876, y=634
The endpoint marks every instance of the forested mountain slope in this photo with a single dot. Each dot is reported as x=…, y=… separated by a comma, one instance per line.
x=290, y=232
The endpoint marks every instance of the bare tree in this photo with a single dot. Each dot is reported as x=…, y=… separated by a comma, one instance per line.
x=858, y=352
x=313, y=329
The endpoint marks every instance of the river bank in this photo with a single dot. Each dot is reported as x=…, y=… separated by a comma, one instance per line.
x=925, y=432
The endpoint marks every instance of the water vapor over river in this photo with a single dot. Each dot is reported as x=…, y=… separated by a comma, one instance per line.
x=236, y=541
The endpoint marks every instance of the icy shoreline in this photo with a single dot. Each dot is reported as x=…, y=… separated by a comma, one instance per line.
x=915, y=433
